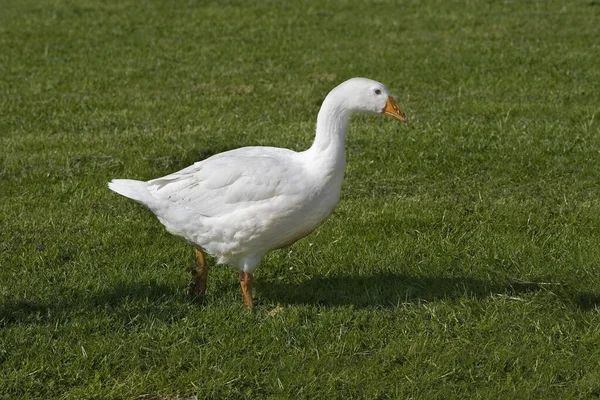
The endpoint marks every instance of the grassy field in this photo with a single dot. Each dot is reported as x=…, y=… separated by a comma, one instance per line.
x=463, y=260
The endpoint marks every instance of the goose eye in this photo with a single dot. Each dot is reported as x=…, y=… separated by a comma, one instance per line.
x=377, y=91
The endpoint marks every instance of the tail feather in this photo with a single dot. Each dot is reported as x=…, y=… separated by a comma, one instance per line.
x=135, y=190
x=173, y=217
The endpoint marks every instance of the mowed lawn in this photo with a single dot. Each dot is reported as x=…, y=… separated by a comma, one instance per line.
x=462, y=262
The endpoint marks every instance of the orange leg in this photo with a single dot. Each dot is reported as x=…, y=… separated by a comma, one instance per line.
x=246, y=283
x=199, y=274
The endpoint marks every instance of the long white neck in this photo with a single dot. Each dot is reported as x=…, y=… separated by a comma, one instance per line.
x=328, y=151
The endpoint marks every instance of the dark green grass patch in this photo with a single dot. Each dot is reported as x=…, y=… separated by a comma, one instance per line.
x=462, y=261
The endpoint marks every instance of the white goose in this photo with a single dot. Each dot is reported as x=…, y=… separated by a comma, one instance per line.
x=241, y=204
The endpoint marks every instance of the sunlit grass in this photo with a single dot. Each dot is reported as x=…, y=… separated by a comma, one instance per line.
x=462, y=261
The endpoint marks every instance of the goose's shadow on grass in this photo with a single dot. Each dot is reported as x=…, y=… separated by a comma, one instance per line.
x=387, y=290
x=164, y=302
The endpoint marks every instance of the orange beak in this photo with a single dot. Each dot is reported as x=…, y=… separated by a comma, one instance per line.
x=392, y=109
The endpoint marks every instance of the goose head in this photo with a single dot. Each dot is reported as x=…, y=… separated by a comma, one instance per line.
x=349, y=97
x=368, y=96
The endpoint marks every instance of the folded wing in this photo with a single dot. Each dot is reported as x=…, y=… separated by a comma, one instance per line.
x=228, y=182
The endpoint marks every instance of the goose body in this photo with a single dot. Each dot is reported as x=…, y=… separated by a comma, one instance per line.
x=241, y=204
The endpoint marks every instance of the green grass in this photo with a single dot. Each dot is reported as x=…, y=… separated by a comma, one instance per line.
x=462, y=261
